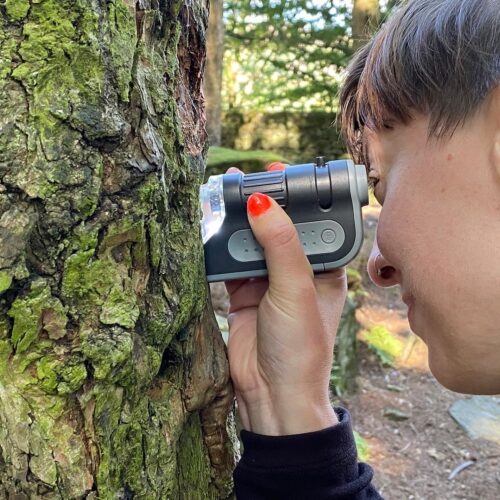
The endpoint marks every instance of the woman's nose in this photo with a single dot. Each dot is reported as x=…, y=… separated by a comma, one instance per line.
x=380, y=270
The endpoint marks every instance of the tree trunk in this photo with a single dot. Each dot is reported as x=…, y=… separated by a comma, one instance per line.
x=213, y=71
x=113, y=375
x=365, y=20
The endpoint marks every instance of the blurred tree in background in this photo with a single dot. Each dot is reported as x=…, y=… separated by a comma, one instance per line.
x=364, y=21
x=284, y=53
x=283, y=64
x=290, y=54
x=213, y=71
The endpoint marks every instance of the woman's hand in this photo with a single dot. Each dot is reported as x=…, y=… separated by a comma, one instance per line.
x=282, y=331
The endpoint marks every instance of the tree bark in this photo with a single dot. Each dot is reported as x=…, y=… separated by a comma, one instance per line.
x=365, y=20
x=213, y=72
x=113, y=376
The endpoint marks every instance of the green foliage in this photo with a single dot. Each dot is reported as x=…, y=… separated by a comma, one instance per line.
x=355, y=283
x=388, y=7
x=297, y=136
x=220, y=158
x=387, y=346
x=362, y=446
x=296, y=47
x=288, y=54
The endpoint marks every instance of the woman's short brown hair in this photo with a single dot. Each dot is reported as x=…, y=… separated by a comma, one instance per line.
x=437, y=57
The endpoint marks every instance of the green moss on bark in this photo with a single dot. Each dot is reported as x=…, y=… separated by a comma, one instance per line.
x=120, y=308
x=51, y=45
x=36, y=434
x=91, y=282
x=5, y=352
x=4, y=328
x=141, y=441
x=5, y=281
x=58, y=376
x=17, y=9
x=123, y=44
x=7, y=48
x=60, y=454
x=107, y=350
x=194, y=467
x=156, y=242
x=28, y=313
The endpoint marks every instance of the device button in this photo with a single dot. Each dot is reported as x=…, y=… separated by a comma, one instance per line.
x=244, y=247
x=328, y=236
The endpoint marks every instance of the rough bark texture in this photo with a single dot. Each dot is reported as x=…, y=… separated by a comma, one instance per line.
x=365, y=19
x=113, y=376
x=345, y=368
x=213, y=72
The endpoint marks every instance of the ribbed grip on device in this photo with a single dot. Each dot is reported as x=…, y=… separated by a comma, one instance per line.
x=270, y=183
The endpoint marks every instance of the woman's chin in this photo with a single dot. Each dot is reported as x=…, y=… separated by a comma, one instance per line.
x=464, y=381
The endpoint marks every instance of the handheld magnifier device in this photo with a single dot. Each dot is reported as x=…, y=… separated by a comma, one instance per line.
x=323, y=199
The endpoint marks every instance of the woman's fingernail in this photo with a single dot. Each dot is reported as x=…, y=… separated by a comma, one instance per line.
x=258, y=204
x=275, y=165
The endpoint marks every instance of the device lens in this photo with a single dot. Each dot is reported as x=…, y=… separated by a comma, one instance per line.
x=212, y=206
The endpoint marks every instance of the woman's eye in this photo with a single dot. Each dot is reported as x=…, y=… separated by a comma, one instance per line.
x=373, y=180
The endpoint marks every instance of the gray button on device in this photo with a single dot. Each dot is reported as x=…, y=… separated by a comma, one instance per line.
x=328, y=236
x=319, y=237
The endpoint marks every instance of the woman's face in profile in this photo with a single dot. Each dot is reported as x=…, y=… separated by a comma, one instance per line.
x=439, y=239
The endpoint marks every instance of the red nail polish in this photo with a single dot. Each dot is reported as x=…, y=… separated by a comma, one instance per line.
x=258, y=204
x=276, y=165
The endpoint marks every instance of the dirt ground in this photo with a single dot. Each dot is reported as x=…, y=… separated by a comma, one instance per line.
x=412, y=457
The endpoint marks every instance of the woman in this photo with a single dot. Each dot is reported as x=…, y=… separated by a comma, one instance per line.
x=421, y=108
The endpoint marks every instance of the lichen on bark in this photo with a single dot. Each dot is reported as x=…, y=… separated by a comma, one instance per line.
x=113, y=377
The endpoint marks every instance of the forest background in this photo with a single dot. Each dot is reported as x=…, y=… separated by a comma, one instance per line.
x=273, y=74
x=279, y=65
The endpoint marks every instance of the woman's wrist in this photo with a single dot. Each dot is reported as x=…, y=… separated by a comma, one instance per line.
x=278, y=416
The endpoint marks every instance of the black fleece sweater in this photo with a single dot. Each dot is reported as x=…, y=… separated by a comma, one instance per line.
x=317, y=465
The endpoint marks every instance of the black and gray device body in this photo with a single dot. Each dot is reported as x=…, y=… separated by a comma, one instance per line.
x=323, y=199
